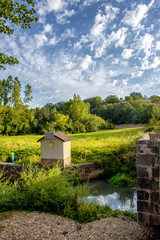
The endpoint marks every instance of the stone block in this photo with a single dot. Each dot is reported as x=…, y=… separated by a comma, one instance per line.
x=154, y=150
x=154, y=136
x=147, y=159
x=142, y=172
x=147, y=184
x=143, y=218
x=155, y=196
x=153, y=144
x=143, y=206
x=155, y=172
x=154, y=220
x=142, y=195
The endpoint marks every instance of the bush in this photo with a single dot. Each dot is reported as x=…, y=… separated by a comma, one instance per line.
x=122, y=180
x=51, y=191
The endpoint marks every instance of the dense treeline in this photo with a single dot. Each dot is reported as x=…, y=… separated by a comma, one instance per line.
x=73, y=116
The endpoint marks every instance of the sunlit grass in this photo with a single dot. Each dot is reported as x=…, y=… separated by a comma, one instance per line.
x=86, y=147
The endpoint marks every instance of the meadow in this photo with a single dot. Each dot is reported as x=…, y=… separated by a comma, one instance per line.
x=113, y=150
x=59, y=192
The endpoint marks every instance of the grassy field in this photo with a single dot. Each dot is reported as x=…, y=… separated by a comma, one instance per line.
x=112, y=149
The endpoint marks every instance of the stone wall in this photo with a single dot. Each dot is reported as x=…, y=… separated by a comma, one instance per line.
x=148, y=179
x=85, y=170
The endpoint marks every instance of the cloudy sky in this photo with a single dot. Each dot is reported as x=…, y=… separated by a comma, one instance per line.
x=88, y=47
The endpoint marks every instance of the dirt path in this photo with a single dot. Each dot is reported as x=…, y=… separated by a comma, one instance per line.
x=123, y=126
x=42, y=226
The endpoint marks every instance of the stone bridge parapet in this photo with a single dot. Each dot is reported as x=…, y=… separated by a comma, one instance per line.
x=148, y=179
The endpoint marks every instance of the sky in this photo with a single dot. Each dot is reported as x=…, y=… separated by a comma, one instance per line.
x=87, y=47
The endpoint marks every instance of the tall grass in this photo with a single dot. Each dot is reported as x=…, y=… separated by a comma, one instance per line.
x=25, y=148
x=113, y=150
x=51, y=191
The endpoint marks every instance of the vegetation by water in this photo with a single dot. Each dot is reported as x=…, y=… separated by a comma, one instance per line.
x=52, y=191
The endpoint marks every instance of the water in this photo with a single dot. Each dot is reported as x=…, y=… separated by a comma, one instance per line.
x=114, y=197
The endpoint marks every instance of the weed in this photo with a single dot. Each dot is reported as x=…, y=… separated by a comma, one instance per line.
x=65, y=233
x=1, y=228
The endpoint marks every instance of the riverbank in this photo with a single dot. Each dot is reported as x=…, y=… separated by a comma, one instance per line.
x=44, y=226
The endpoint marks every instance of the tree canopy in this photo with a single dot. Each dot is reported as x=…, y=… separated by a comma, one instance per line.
x=18, y=13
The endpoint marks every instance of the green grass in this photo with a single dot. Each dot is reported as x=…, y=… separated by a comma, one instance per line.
x=95, y=147
x=53, y=191
x=112, y=149
x=25, y=147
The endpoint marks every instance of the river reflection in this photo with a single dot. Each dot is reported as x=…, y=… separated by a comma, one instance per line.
x=114, y=197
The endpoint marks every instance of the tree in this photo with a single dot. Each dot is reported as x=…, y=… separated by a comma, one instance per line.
x=136, y=95
x=6, y=90
x=16, y=93
x=27, y=92
x=94, y=102
x=49, y=105
x=111, y=99
x=59, y=106
x=155, y=99
x=18, y=13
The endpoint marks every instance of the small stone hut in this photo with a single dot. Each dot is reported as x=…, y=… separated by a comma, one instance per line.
x=148, y=179
x=55, y=149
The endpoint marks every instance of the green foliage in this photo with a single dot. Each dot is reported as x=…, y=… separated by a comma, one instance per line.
x=122, y=180
x=94, y=102
x=25, y=148
x=51, y=190
x=154, y=123
x=28, y=92
x=136, y=95
x=111, y=99
x=114, y=150
x=47, y=190
x=7, y=60
x=128, y=111
x=155, y=99
x=18, y=13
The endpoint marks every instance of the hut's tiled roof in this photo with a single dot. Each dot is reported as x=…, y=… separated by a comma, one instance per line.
x=61, y=136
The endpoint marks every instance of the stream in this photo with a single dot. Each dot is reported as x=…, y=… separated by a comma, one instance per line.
x=115, y=197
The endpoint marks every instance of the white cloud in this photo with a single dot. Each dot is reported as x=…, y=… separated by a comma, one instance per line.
x=83, y=40
x=137, y=74
x=41, y=39
x=113, y=73
x=48, y=28
x=89, y=2
x=87, y=62
x=69, y=33
x=55, y=5
x=125, y=82
x=145, y=43
x=118, y=37
x=114, y=82
x=53, y=41
x=158, y=45
x=134, y=17
x=146, y=64
x=61, y=17
x=99, y=51
x=115, y=61
x=99, y=26
x=127, y=53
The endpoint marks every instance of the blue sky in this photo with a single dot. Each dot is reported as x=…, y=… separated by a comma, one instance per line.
x=87, y=47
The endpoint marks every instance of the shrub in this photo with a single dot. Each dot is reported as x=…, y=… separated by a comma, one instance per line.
x=122, y=180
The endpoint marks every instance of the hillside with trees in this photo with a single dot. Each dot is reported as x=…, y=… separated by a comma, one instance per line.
x=74, y=115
